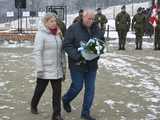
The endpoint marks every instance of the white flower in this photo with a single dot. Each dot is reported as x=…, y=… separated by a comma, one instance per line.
x=92, y=49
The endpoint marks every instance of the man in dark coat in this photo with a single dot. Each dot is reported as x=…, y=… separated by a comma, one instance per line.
x=122, y=24
x=82, y=71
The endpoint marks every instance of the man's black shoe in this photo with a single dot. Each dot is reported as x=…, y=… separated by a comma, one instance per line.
x=58, y=117
x=123, y=48
x=87, y=117
x=66, y=106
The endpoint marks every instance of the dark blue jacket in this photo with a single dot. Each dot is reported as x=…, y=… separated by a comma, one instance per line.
x=75, y=33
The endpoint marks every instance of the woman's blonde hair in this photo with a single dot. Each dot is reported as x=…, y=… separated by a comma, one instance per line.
x=48, y=16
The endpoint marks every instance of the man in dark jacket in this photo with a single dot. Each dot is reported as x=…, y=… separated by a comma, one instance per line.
x=82, y=71
x=122, y=24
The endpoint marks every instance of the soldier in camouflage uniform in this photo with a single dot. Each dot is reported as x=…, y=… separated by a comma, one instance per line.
x=101, y=20
x=60, y=23
x=62, y=26
x=122, y=24
x=78, y=18
x=157, y=34
x=138, y=24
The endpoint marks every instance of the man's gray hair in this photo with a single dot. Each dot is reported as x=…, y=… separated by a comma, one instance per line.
x=89, y=12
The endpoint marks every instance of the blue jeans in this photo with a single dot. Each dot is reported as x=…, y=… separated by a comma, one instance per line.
x=78, y=78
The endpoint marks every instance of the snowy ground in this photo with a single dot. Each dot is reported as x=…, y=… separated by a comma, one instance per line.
x=127, y=87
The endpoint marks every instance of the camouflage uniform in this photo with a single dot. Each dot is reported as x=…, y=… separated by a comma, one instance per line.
x=60, y=23
x=77, y=19
x=62, y=26
x=101, y=20
x=138, y=24
x=122, y=24
x=157, y=35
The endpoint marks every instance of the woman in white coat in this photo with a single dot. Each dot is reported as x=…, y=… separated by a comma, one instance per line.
x=49, y=59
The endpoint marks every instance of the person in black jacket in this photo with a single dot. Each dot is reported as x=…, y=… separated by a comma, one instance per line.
x=81, y=72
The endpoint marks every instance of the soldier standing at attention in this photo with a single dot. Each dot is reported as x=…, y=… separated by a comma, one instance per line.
x=78, y=18
x=138, y=24
x=60, y=23
x=157, y=34
x=122, y=24
x=101, y=20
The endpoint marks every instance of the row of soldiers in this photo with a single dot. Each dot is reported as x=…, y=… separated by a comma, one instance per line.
x=139, y=22
x=123, y=23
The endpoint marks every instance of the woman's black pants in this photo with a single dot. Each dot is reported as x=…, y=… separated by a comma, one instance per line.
x=56, y=94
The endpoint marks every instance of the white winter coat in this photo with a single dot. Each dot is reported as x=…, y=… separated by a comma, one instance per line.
x=49, y=57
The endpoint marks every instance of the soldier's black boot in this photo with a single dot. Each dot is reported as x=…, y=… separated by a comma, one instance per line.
x=123, y=47
x=56, y=117
x=140, y=45
x=158, y=46
x=155, y=48
x=136, y=46
x=136, y=43
x=120, y=48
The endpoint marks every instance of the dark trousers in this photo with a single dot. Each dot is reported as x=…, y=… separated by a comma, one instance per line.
x=139, y=37
x=139, y=41
x=157, y=40
x=56, y=96
x=122, y=38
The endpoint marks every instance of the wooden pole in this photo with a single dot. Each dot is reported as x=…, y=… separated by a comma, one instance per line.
x=107, y=39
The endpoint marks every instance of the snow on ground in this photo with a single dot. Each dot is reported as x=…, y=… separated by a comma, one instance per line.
x=127, y=87
x=137, y=72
